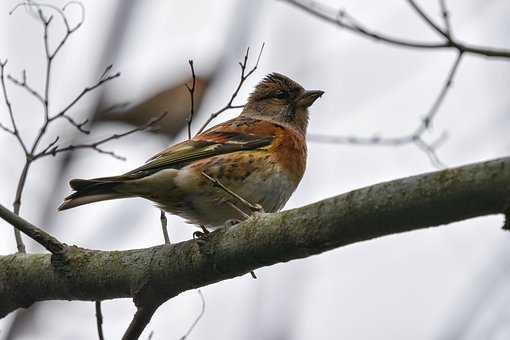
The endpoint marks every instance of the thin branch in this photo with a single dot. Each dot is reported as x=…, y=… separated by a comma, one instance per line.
x=61, y=12
x=50, y=145
x=23, y=83
x=200, y=315
x=430, y=151
x=96, y=146
x=191, y=91
x=31, y=154
x=40, y=236
x=336, y=17
x=427, y=120
x=428, y=19
x=416, y=137
x=446, y=17
x=14, y=131
x=49, y=60
x=105, y=77
x=78, y=126
x=141, y=319
x=6, y=129
x=244, y=75
x=99, y=320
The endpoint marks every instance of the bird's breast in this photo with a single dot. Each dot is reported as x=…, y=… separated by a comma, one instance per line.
x=289, y=152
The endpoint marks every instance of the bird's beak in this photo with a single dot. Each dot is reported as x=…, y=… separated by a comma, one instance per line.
x=309, y=97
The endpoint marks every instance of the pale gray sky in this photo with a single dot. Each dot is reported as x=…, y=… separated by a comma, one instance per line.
x=408, y=286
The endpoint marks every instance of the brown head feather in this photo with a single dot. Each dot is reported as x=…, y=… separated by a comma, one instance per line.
x=280, y=99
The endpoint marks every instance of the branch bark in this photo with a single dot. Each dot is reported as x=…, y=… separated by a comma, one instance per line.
x=154, y=275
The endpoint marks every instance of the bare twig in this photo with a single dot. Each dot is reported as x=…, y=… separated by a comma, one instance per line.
x=105, y=77
x=191, y=91
x=33, y=152
x=96, y=146
x=99, y=320
x=23, y=83
x=428, y=19
x=416, y=137
x=40, y=236
x=244, y=76
x=446, y=17
x=337, y=17
x=200, y=315
x=78, y=126
x=14, y=131
x=61, y=12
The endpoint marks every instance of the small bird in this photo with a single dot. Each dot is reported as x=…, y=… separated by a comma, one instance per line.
x=260, y=156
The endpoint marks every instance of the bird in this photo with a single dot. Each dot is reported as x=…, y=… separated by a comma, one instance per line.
x=259, y=157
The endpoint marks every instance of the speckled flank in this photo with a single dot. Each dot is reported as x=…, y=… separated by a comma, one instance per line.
x=266, y=176
x=288, y=148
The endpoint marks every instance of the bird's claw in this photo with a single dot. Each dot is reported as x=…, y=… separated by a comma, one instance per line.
x=201, y=236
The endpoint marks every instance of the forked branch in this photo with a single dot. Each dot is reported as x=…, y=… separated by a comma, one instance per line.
x=415, y=137
x=245, y=74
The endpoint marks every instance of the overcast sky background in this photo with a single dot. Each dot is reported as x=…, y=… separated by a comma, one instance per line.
x=443, y=283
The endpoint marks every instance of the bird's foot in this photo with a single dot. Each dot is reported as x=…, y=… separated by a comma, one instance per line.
x=201, y=236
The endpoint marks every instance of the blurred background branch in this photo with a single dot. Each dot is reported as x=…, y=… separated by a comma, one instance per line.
x=344, y=20
x=302, y=47
x=415, y=137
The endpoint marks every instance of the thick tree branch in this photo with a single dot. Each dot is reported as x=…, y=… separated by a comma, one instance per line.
x=156, y=274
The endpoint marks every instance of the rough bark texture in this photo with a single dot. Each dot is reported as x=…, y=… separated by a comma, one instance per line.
x=158, y=273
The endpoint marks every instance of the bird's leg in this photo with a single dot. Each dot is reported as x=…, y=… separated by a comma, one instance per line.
x=164, y=223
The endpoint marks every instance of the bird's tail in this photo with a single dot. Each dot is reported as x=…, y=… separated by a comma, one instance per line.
x=93, y=190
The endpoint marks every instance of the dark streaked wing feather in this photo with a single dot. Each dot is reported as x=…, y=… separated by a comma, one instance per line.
x=208, y=145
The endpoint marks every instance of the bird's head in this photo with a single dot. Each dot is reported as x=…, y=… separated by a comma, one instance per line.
x=281, y=99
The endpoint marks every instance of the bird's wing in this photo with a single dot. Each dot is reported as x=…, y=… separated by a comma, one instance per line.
x=216, y=141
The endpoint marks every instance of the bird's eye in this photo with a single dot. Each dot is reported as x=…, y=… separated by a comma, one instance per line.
x=280, y=95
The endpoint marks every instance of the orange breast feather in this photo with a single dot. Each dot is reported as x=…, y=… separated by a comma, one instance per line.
x=288, y=148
